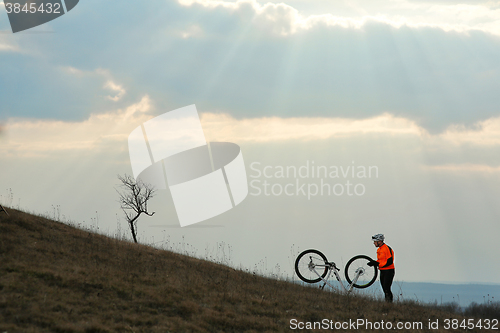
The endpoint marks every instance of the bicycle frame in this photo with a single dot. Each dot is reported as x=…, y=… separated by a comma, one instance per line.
x=333, y=268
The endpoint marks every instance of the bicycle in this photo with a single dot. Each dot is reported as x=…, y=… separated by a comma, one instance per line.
x=312, y=266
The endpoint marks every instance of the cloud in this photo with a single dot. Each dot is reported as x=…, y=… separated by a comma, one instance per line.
x=193, y=31
x=51, y=90
x=261, y=60
x=100, y=130
x=8, y=45
x=7, y=48
x=285, y=64
x=458, y=148
x=117, y=88
x=30, y=138
x=456, y=2
x=485, y=133
x=464, y=168
x=280, y=18
x=285, y=19
x=223, y=127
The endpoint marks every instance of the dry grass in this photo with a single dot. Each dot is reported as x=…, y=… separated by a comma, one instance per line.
x=56, y=278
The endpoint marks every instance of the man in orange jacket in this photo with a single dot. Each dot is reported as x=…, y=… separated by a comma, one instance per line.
x=385, y=264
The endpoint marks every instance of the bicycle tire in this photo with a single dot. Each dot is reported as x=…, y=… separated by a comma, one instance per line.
x=302, y=267
x=369, y=275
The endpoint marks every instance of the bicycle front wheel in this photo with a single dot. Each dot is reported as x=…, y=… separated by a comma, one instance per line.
x=367, y=274
x=309, y=264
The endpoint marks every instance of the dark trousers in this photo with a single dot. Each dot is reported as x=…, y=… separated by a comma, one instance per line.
x=386, y=277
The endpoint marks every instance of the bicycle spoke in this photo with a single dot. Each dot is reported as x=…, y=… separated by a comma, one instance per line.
x=367, y=274
x=309, y=264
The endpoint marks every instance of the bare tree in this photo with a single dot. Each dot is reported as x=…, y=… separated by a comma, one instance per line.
x=134, y=199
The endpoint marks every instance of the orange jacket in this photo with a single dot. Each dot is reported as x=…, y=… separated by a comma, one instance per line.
x=385, y=257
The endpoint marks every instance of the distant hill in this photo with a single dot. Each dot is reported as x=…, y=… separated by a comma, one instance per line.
x=57, y=278
x=462, y=294
x=440, y=293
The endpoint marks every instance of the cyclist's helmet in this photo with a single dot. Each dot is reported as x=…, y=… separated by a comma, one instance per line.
x=378, y=237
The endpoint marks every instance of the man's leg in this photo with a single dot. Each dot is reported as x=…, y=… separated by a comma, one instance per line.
x=382, y=281
x=386, y=277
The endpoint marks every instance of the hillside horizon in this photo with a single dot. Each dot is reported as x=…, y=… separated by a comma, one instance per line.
x=57, y=278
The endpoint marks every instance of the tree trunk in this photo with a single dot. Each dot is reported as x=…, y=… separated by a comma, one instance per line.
x=133, y=232
x=131, y=224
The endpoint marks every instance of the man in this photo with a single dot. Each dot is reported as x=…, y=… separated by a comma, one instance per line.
x=385, y=264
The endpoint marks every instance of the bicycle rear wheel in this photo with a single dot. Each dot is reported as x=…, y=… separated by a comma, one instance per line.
x=368, y=274
x=308, y=262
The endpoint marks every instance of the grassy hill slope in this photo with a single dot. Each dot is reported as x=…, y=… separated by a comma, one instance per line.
x=56, y=278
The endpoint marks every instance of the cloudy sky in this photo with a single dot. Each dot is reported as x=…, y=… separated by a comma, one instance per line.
x=407, y=87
